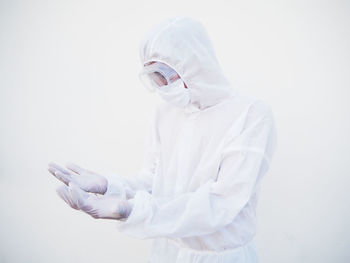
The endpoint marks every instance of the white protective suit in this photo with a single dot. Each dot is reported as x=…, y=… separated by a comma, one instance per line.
x=196, y=192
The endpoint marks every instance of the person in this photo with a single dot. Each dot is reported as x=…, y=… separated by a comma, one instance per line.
x=208, y=148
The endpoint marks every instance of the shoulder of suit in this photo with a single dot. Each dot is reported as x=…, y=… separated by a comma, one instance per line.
x=255, y=105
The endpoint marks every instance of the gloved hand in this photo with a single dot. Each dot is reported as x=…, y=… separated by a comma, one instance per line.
x=97, y=206
x=84, y=179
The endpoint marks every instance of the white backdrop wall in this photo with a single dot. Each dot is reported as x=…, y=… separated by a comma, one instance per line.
x=69, y=92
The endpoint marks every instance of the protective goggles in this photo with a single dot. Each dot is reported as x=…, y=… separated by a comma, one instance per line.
x=157, y=75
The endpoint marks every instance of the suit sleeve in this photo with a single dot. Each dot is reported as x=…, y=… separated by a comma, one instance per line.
x=245, y=159
x=143, y=179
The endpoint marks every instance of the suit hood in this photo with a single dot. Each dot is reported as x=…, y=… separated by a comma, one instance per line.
x=183, y=44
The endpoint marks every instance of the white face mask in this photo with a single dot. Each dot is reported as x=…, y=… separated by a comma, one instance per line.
x=175, y=93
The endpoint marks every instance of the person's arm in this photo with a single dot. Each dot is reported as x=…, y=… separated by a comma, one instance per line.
x=144, y=177
x=245, y=159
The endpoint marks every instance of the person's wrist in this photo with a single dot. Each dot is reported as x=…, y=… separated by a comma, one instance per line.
x=125, y=208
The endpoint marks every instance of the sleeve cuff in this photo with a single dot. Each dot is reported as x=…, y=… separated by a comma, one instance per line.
x=141, y=207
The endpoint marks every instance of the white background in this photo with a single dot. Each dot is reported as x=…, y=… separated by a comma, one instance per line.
x=69, y=92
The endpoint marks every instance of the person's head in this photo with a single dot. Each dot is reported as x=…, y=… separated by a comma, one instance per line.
x=183, y=44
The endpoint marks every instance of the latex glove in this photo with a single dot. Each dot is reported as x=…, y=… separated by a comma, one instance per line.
x=97, y=206
x=86, y=180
